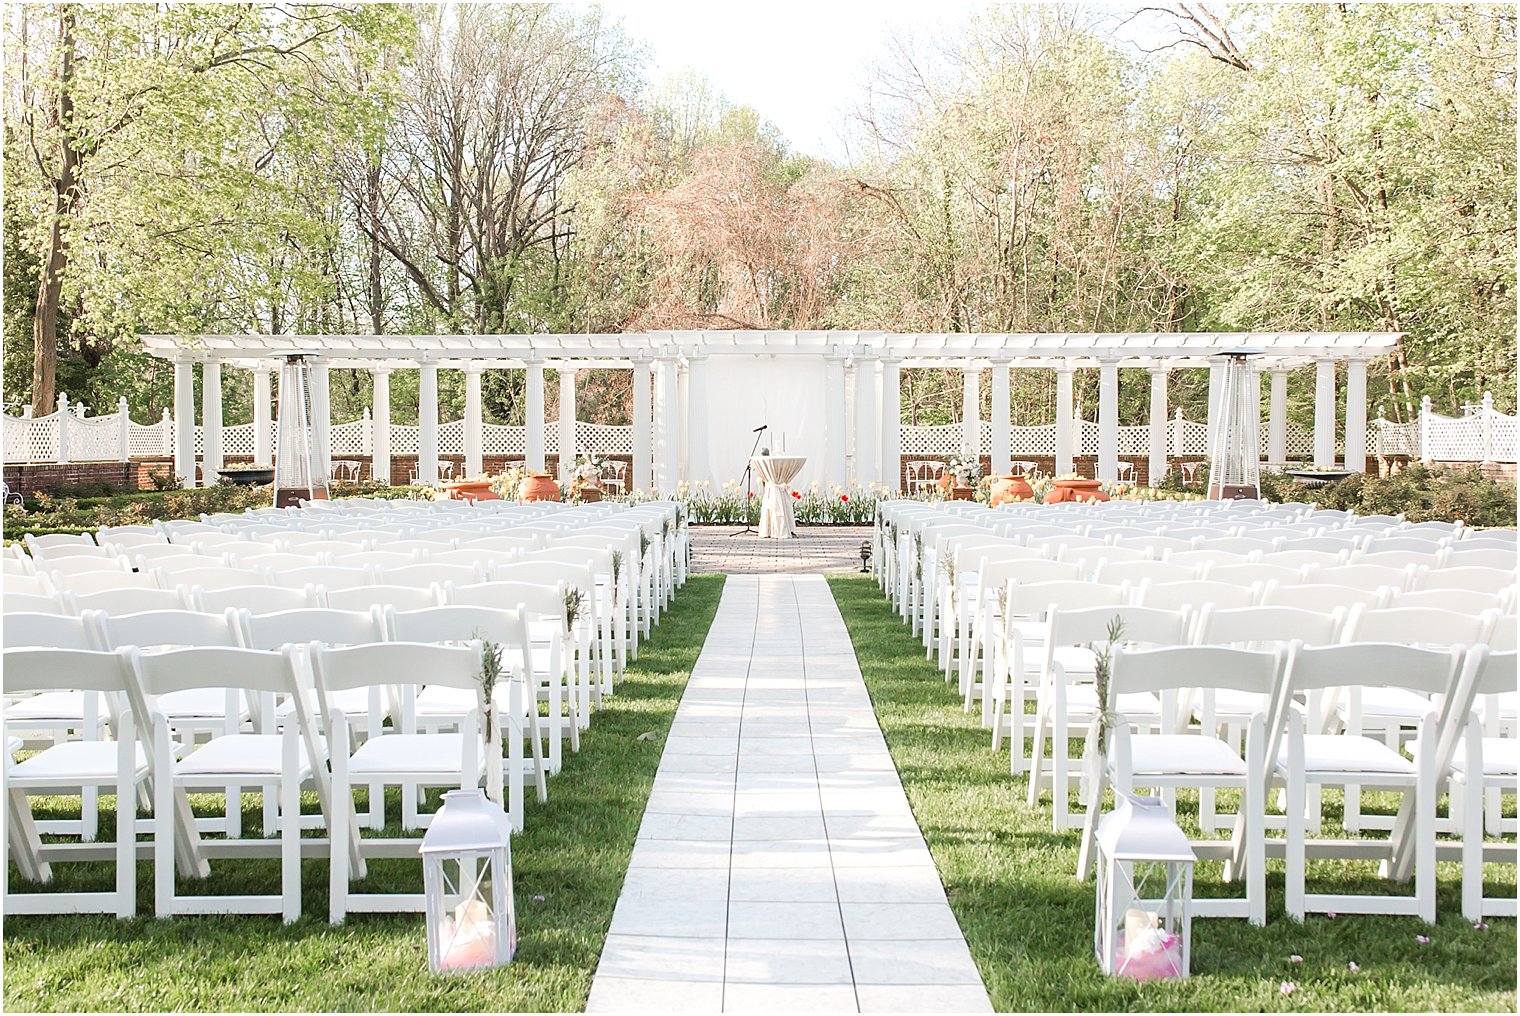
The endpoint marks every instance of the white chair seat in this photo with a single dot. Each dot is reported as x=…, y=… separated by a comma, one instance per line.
x=1076, y=660
x=404, y=755
x=1338, y=753
x=354, y=702
x=1501, y=756
x=1082, y=700
x=1390, y=703
x=440, y=700
x=1508, y=706
x=73, y=763
x=1229, y=702
x=197, y=704
x=1188, y=754
x=48, y=707
x=239, y=754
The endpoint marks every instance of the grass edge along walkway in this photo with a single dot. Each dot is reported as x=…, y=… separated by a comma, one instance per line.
x=570, y=864
x=1029, y=923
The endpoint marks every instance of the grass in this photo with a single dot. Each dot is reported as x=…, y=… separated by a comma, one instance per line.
x=570, y=863
x=1029, y=922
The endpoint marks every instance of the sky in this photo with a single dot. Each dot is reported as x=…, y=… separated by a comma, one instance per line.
x=802, y=66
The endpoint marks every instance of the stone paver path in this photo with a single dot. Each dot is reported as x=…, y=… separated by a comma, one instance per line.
x=779, y=867
x=813, y=549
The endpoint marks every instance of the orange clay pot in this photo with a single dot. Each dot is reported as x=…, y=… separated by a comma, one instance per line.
x=1006, y=488
x=470, y=490
x=538, y=488
x=1075, y=490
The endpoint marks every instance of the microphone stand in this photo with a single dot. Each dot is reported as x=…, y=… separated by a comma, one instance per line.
x=749, y=480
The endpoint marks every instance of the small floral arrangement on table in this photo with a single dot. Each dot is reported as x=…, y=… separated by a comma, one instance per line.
x=966, y=469
x=587, y=473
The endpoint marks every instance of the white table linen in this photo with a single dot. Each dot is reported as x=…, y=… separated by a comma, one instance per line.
x=777, y=472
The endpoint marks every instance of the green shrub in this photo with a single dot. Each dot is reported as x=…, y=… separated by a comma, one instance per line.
x=1417, y=492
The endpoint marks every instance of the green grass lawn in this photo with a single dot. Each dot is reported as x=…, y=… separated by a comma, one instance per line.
x=570, y=863
x=1029, y=922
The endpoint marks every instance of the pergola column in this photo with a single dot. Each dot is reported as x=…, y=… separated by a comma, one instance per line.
x=380, y=421
x=1216, y=392
x=1158, y=465
x=211, y=419
x=533, y=431
x=891, y=423
x=566, y=421
x=1001, y=451
x=667, y=426
x=1356, y=415
x=261, y=400
x=643, y=439
x=834, y=467
x=184, y=421
x=474, y=445
x=1064, y=451
x=683, y=421
x=867, y=416
x=1108, y=420
x=427, y=423
x=321, y=415
x=1277, y=418
x=971, y=410
x=697, y=466
x=1324, y=413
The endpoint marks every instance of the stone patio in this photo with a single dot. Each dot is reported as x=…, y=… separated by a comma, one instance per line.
x=779, y=866
x=715, y=549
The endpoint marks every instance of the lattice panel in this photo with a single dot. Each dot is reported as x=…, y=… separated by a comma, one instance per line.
x=150, y=440
x=237, y=439
x=498, y=439
x=940, y=439
x=31, y=439
x=1502, y=436
x=404, y=439
x=603, y=438
x=1389, y=438
x=94, y=439
x=1088, y=433
x=1194, y=439
x=1135, y=440
x=1032, y=440
x=348, y=438
x=451, y=438
x=1454, y=440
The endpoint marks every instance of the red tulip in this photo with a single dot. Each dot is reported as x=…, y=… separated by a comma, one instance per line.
x=844, y=497
x=796, y=495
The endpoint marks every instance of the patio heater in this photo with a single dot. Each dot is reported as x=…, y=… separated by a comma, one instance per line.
x=298, y=472
x=1235, y=459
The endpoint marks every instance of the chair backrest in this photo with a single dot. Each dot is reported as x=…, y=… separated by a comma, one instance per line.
x=391, y=664
x=49, y=631
x=255, y=599
x=1173, y=668
x=167, y=628
x=1295, y=558
x=126, y=601
x=332, y=576
x=214, y=578
x=1367, y=576
x=431, y=573
x=1196, y=593
x=31, y=603
x=1486, y=556
x=403, y=597
x=94, y=582
x=1147, y=625
x=1463, y=601
x=1034, y=598
x=1254, y=627
x=1372, y=664
x=1398, y=558
x=313, y=624
x=258, y=557
x=29, y=670
x=1039, y=570
x=540, y=599
x=84, y=564
x=1420, y=550
x=1322, y=596
x=383, y=559
x=1136, y=572
x=1493, y=670
x=1091, y=557
x=39, y=545
x=121, y=537
x=1417, y=626
x=1247, y=573
x=209, y=667
x=1488, y=580
x=32, y=585
x=516, y=541
x=458, y=623
x=548, y=573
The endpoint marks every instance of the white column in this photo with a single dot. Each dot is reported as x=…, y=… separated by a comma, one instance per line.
x=1277, y=418
x=1002, y=457
x=1324, y=413
x=891, y=424
x=63, y=428
x=1064, y=451
x=698, y=467
x=184, y=421
x=474, y=444
x=683, y=421
x=427, y=424
x=123, y=430
x=533, y=430
x=566, y=421
x=380, y=415
x=1488, y=429
x=321, y=414
x=643, y=439
x=833, y=420
x=867, y=421
x=1216, y=391
x=971, y=410
x=667, y=427
x=1158, y=463
x=1108, y=420
x=211, y=419
x=1356, y=415
x=261, y=401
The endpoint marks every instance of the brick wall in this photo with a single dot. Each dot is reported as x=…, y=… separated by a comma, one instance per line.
x=50, y=477
x=1084, y=465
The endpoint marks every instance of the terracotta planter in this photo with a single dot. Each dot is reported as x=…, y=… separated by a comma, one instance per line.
x=538, y=488
x=1075, y=490
x=1006, y=488
x=962, y=493
x=470, y=490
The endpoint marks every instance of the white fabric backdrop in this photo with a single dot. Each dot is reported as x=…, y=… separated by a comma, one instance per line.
x=745, y=391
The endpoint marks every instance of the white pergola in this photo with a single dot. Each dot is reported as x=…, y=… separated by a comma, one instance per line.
x=696, y=393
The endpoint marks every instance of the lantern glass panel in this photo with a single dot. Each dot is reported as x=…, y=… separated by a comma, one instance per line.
x=471, y=925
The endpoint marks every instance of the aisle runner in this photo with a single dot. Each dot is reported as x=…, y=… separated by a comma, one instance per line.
x=778, y=865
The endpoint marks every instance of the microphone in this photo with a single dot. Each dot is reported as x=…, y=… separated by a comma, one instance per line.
x=759, y=428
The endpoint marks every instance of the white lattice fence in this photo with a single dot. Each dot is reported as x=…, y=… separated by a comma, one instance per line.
x=1389, y=438
x=1502, y=436
x=148, y=440
x=939, y=439
x=1449, y=439
x=603, y=438
x=31, y=439
x=96, y=439
x=499, y=439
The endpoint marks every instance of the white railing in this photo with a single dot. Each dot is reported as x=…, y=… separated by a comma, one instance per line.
x=1389, y=438
x=1481, y=434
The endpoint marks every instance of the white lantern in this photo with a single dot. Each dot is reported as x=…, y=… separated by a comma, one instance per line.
x=467, y=876
x=1145, y=891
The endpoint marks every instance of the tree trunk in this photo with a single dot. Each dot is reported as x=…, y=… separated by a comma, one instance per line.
x=55, y=260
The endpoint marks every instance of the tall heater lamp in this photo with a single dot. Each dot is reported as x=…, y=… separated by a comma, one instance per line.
x=298, y=473
x=1235, y=458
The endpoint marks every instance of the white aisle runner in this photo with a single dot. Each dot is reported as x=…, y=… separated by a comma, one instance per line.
x=779, y=866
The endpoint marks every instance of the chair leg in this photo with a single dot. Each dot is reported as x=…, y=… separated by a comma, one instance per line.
x=1472, y=849
x=1425, y=836
x=1060, y=748
x=339, y=847
x=126, y=840
x=290, y=844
